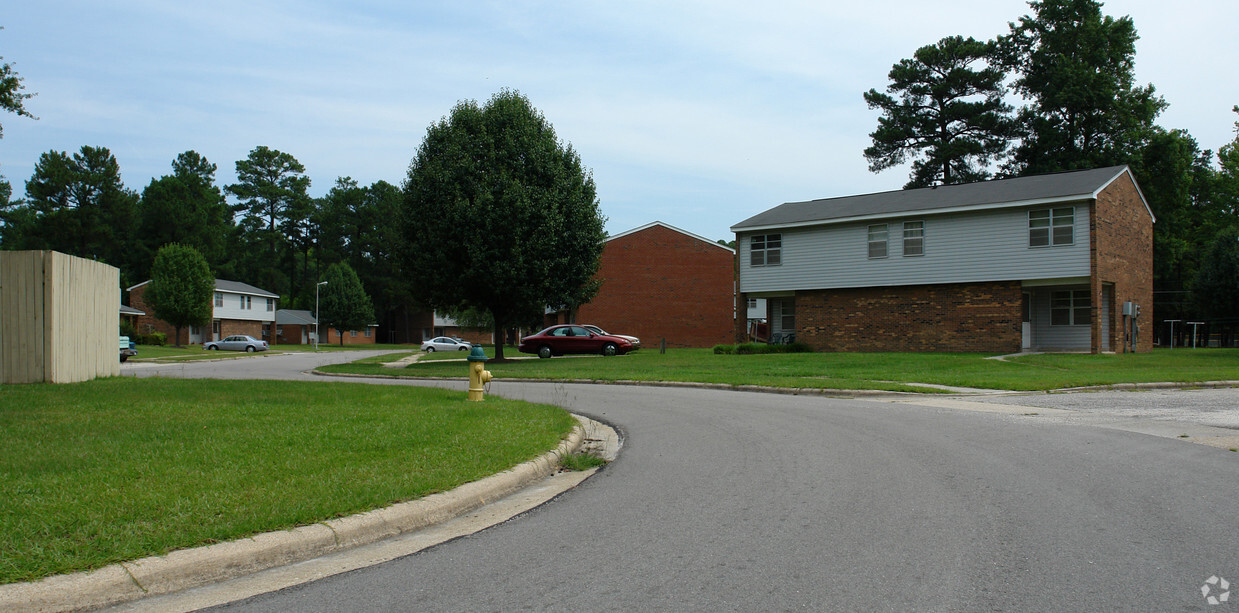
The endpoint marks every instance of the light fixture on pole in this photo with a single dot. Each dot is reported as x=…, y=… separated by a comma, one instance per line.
x=320, y=284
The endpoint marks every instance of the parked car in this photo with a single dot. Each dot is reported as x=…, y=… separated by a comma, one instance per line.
x=572, y=338
x=636, y=342
x=237, y=342
x=445, y=343
x=128, y=348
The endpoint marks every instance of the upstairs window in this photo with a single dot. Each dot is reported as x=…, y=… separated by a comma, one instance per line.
x=878, y=234
x=219, y=299
x=1049, y=227
x=270, y=304
x=246, y=302
x=1071, y=308
x=914, y=238
x=766, y=250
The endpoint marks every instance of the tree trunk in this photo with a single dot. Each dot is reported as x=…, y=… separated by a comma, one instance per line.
x=499, y=338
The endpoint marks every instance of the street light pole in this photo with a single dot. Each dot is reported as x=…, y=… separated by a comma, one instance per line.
x=320, y=284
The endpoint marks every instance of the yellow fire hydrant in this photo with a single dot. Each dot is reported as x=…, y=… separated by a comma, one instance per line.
x=478, y=376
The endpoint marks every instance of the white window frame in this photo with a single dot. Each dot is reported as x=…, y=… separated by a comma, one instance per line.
x=765, y=250
x=913, y=238
x=219, y=299
x=1075, y=304
x=879, y=239
x=1051, y=227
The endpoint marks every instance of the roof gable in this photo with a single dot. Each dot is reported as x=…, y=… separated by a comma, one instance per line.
x=673, y=229
x=237, y=287
x=1000, y=193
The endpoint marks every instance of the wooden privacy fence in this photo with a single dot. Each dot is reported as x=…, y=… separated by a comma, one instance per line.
x=59, y=318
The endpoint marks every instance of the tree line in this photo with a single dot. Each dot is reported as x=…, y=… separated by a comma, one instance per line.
x=497, y=219
x=272, y=235
x=1058, y=93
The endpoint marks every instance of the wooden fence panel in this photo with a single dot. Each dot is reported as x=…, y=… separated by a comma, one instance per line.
x=59, y=316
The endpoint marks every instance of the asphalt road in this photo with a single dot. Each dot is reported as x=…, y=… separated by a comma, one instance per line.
x=748, y=501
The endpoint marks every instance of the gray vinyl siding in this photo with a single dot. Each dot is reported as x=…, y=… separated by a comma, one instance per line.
x=1047, y=336
x=958, y=248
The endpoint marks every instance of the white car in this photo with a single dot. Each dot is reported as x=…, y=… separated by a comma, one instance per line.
x=237, y=342
x=445, y=343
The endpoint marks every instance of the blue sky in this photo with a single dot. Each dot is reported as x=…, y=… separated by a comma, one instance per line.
x=698, y=114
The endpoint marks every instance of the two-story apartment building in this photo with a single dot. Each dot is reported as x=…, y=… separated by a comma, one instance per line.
x=236, y=308
x=1061, y=261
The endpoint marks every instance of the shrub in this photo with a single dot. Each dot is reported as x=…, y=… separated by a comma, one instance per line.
x=154, y=338
x=761, y=348
x=127, y=329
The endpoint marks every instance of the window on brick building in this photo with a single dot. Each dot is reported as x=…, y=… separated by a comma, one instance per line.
x=914, y=238
x=1048, y=227
x=766, y=250
x=1071, y=308
x=877, y=240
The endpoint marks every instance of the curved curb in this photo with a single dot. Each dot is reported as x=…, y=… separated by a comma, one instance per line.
x=818, y=391
x=187, y=568
x=793, y=391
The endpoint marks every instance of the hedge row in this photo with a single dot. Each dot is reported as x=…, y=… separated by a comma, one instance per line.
x=757, y=348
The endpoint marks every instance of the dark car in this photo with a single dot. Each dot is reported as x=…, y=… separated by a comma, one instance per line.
x=570, y=338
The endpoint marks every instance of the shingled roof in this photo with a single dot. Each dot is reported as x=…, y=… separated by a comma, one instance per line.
x=1020, y=191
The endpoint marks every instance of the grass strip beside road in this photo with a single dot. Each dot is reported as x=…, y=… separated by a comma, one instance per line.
x=118, y=469
x=850, y=371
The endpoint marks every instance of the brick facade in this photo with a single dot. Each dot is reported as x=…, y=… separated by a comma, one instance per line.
x=972, y=317
x=1121, y=254
x=145, y=324
x=148, y=323
x=661, y=283
x=331, y=336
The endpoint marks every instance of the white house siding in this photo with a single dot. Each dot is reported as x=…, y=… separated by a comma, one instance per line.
x=958, y=248
x=232, y=308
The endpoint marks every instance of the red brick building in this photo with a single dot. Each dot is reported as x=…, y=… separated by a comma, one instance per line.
x=236, y=308
x=1056, y=262
x=660, y=282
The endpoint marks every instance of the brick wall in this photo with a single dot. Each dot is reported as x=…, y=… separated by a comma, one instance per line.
x=660, y=283
x=981, y=317
x=148, y=323
x=331, y=336
x=1121, y=253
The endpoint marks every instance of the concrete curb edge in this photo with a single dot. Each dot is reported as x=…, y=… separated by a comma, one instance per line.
x=187, y=568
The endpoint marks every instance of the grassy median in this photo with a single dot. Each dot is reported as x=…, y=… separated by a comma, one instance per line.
x=118, y=469
x=849, y=371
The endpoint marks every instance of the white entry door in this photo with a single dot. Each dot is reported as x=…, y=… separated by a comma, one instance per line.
x=1027, y=325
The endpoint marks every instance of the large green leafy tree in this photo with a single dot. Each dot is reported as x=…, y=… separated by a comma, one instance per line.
x=77, y=205
x=500, y=215
x=1075, y=67
x=944, y=110
x=274, y=204
x=353, y=224
x=1215, y=291
x=1177, y=181
x=186, y=207
x=344, y=304
x=181, y=288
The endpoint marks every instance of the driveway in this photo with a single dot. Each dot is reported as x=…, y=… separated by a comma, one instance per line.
x=747, y=501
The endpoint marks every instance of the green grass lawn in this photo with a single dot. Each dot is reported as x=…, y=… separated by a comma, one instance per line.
x=882, y=371
x=121, y=468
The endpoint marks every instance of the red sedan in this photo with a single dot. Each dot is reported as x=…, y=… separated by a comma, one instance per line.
x=570, y=338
